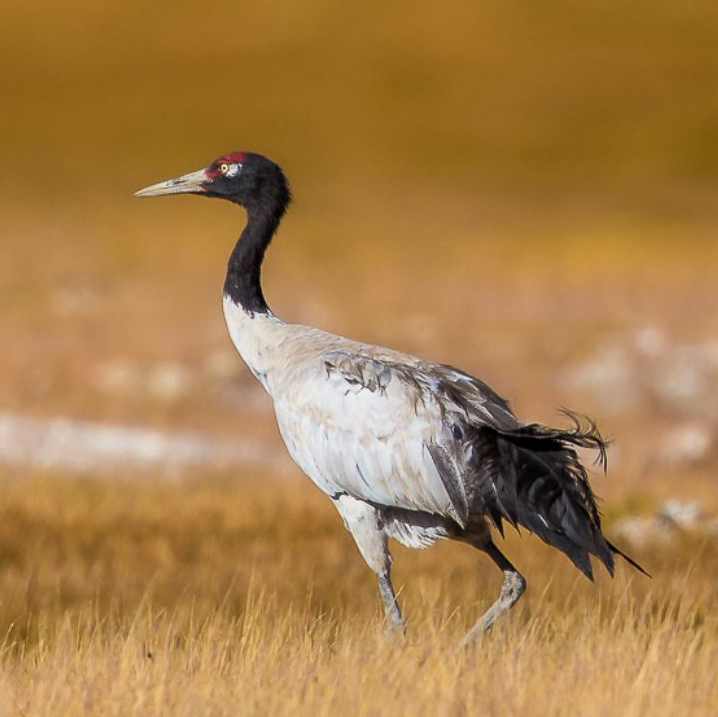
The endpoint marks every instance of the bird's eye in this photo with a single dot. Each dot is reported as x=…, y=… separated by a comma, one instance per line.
x=224, y=168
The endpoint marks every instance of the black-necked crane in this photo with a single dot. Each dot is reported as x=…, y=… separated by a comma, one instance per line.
x=405, y=449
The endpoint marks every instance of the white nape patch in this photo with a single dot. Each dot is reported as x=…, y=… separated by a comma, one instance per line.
x=234, y=169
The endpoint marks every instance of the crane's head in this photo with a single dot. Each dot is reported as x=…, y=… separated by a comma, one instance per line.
x=241, y=177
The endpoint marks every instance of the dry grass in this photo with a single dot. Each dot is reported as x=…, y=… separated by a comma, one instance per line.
x=228, y=597
x=503, y=186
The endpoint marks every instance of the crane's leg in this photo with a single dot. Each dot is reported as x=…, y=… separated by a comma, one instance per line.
x=362, y=520
x=394, y=621
x=512, y=589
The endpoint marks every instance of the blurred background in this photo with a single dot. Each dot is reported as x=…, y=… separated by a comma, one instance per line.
x=527, y=190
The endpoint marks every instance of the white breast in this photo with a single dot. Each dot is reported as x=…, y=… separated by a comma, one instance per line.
x=276, y=353
x=257, y=338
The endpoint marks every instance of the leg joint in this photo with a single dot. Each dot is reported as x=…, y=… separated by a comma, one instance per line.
x=514, y=585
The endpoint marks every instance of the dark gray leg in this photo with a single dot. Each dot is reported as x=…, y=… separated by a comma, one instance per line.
x=395, y=624
x=513, y=588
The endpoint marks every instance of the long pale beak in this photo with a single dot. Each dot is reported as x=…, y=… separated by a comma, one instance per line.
x=191, y=183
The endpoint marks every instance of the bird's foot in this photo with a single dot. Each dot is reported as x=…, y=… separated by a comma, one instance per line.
x=394, y=627
x=513, y=588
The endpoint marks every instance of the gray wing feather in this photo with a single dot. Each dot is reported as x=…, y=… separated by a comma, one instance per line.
x=383, y=430
x=451, y=477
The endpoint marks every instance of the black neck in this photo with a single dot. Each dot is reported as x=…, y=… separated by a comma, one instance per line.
x=243, y=283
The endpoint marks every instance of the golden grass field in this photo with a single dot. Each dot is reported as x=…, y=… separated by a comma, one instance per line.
x=513, y=188
x=224, y=597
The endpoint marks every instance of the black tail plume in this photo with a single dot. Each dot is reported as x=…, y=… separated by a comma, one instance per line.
x=531, y=476
x=628, y=559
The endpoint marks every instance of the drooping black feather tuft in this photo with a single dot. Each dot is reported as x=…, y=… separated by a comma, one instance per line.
x=628, y=559
x=583, y=434
x=531, y=476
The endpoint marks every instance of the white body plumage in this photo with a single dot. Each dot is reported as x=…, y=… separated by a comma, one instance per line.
x=351, y=424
